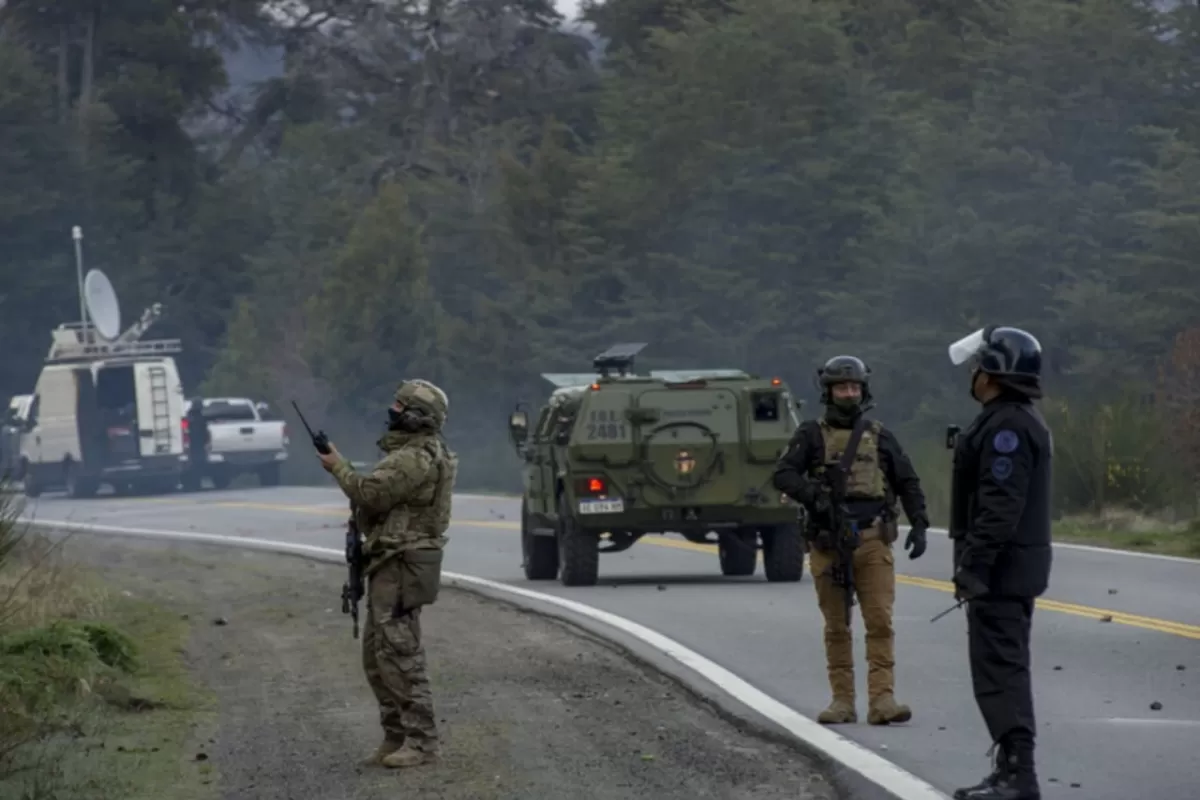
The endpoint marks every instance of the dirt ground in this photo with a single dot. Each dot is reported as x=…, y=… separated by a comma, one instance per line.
x=528, y=708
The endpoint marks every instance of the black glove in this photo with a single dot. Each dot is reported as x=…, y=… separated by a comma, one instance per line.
x=916, y=539
x=968, y=586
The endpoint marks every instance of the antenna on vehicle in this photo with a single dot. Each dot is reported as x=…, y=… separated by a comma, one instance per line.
x=101, y=304
x=77, y=236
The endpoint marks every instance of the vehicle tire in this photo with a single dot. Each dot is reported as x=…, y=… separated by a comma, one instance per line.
x=76, y=487
x=539, y=553
x=269, y=475
x=738, y=551
x=221, y=478
x=783, y=553
x=578, y=550
x=191, y=481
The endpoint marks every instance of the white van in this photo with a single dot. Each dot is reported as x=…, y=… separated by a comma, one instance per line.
x=104, y=413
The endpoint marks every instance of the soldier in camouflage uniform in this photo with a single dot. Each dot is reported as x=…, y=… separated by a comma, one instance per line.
x=879, y=472
x=402, y=509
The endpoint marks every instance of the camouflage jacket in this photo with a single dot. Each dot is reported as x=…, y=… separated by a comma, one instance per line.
x=404, y=503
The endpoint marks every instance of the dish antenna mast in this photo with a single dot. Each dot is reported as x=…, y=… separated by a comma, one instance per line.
x=79, y=341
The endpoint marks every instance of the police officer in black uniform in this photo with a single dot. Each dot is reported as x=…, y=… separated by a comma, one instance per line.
x=1000, y=526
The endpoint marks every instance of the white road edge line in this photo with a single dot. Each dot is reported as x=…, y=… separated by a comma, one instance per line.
x=876, y=769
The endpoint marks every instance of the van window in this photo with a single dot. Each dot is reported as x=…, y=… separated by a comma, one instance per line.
x=228, y=412
x=116, y=394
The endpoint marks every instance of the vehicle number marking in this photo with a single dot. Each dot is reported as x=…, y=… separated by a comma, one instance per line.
x=601, y=506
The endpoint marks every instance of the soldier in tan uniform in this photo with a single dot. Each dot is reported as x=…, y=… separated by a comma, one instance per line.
x=879, y=472
x=403, y=510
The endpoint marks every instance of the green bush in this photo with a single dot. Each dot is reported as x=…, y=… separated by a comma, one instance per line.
x=1113, y=455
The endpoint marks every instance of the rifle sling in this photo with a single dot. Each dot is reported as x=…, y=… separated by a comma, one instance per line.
x=847, y=459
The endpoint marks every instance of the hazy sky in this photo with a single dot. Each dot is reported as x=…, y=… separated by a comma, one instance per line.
x=568, y=8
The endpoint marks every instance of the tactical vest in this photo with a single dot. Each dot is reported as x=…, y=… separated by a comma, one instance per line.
x=866, y=479
x=423, y=519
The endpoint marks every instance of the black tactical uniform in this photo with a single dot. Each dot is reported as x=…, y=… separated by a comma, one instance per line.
x=1000, y=526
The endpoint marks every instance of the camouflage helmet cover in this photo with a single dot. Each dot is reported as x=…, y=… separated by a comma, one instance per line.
x=424, y=396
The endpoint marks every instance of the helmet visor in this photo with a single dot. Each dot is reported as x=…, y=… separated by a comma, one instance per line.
x=966, y=348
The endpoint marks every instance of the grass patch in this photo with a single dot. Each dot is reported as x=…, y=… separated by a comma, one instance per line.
x=95, y=700
x=1127, y=530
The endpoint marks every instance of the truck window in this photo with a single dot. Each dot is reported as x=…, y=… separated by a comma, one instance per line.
x=766, y=406
x=228, y=412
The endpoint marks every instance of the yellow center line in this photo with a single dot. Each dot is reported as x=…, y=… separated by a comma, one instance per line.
x=1182, y=629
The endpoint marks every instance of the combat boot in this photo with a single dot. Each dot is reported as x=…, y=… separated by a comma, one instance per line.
x=408, y=756
x=385, y=749
x=840, y=712
x=884, y=710
x=1013, y=778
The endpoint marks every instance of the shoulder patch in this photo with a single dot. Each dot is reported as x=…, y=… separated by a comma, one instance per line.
x=1005, y=441
x=1002, y=467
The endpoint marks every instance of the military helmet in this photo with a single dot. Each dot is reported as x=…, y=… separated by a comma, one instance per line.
x=844, y=369
x=424, y=397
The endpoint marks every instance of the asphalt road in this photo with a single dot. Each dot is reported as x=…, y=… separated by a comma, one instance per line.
x=1114, y=635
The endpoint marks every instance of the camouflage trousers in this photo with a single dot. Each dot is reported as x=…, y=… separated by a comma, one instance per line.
x=394, y=662
x=875, y=579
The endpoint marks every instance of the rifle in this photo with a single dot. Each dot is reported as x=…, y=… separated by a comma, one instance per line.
x=845, y=534
x=319, y=439
x=352, y=589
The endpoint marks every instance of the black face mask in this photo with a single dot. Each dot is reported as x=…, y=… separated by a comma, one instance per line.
x=394, y=419
x=843, y=412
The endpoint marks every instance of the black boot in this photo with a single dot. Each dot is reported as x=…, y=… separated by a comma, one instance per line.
x=999, y=761
x=1013, y=778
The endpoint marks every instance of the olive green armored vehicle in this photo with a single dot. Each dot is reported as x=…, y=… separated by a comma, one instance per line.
x=614, y=456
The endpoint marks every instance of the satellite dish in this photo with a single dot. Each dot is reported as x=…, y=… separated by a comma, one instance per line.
x=102, y=305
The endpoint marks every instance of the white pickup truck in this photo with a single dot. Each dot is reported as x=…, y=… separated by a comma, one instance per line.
x=243, y=436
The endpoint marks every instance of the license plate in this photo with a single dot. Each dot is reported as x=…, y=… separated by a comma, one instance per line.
x=601, y=506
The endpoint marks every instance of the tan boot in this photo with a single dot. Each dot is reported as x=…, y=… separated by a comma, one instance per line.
x=840, y=712
x=408, y=756
x=388, y=747
x=884, y=710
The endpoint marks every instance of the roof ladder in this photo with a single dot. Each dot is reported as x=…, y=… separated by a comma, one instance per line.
x=160, y=403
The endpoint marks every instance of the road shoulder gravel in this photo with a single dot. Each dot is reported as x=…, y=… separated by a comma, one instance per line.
x=528, y=707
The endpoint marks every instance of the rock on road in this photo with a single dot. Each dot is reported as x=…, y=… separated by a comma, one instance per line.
x=1114, y=635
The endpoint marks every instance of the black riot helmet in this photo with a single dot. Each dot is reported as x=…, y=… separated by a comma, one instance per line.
x=844, y=369
x=1012, y=355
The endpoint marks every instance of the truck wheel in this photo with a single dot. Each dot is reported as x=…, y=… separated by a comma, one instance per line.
x=539, y=553
x=578, y=550
x=269, y=475
x=783, y=553
x=220, y=477
x=738, y=551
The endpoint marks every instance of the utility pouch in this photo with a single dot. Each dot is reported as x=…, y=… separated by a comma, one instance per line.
x=420, y=577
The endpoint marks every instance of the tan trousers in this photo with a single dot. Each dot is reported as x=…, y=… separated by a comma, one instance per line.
x=875, y=581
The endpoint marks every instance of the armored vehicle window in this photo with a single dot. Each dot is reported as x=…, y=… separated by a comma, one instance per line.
x=766, y=406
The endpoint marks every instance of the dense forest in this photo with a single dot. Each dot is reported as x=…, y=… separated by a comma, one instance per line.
x=475, y=192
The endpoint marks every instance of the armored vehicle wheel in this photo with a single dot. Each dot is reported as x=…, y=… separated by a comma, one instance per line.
x=738, y=551
x=783, y=553
x=539, y=553
x=578, y=550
